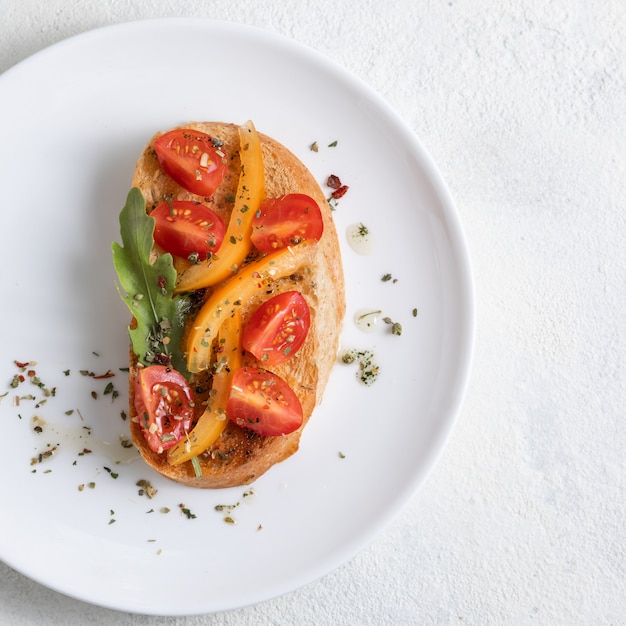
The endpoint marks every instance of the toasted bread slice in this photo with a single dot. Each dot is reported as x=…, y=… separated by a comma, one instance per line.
x=240, y=456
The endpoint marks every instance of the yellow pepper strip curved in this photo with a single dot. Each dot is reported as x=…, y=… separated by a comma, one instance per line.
x=236, y=244
x=213, y=421
x=229, y=296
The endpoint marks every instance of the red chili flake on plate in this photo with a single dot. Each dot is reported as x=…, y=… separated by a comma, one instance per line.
x=107, y=374
x=339, y=193
x=333, y=182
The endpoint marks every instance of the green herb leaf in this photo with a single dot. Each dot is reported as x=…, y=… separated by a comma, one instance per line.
x=147, y=288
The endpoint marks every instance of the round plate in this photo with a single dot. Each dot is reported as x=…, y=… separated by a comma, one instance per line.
x=73, y=517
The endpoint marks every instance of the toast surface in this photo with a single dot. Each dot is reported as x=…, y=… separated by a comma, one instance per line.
x=240, y=456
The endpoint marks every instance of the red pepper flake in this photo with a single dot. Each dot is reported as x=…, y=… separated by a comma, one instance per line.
x=339, y=193
x=162, y=359
x=161, y=282
x=333, y=182
x=107, y=374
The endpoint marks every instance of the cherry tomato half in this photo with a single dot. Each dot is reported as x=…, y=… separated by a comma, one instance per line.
x=263, y=402
x=187, y=228
x=285, y=221
x=193, y=159
x=164, y=405
x=277, y=329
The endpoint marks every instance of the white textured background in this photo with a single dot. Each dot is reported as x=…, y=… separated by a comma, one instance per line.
x=523, y=107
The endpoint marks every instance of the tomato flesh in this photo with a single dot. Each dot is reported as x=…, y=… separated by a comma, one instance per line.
x=285, y=221
x=263, y=402
x=164, y=405
x=188, y=229
x=278, y=328
x=193, y=159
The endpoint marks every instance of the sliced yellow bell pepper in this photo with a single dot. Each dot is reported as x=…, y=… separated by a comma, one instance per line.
x=213, y=421
x=229, y=296
x=236, y=245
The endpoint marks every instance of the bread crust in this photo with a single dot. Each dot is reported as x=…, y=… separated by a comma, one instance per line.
x=240, y=456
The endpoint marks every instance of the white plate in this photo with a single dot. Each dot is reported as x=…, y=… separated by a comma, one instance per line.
x=74, y=118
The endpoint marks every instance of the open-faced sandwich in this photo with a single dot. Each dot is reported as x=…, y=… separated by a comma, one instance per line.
x=230, y=265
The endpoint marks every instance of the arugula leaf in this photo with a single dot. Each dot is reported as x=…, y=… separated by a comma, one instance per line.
x=147, y=288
